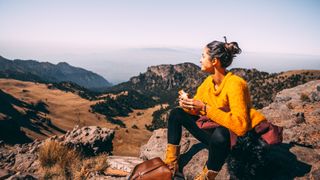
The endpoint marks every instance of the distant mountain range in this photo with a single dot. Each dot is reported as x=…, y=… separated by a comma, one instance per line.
x=31, y=70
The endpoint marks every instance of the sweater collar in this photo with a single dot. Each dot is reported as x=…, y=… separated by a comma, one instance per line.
x=225, y=79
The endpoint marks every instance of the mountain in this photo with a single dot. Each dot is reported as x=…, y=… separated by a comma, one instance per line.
x=164, y=81
x=31, y=70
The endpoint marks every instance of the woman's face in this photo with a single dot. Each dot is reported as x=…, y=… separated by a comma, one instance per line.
x=206, y=61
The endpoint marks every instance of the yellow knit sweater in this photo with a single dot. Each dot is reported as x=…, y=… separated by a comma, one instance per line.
x=229, y=105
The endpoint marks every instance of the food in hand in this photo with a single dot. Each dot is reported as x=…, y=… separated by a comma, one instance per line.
x=183, y=94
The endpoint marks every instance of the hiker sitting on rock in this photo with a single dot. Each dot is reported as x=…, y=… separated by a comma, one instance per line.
x=224, y=99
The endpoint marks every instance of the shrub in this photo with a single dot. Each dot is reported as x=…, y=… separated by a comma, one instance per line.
x=94, y=164
x=60, y=162
x=57, y=159
x=304, y=97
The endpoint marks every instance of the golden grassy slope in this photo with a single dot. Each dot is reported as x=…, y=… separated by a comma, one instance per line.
x=68, y=109
x=128, y=141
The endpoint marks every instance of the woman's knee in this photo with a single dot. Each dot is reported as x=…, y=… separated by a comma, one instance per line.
x=176, y=113
x=220, y=137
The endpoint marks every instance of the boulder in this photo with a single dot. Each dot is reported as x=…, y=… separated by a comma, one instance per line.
x=21, y=161
x=90, y=140
x=297, y=110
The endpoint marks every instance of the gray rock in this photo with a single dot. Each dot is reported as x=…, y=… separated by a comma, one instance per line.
x=23, y=158
x=124, y=163
x=300, y=123
x=22, y=176
x=90, y=140
x=300, y=118
x=4, y=173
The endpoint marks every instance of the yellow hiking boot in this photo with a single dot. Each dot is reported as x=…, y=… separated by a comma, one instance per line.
x=172, y=156
x=206, y=174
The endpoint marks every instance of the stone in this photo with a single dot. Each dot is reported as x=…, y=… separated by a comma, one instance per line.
x=4, y=173
x=90, y=140
x=124, y=163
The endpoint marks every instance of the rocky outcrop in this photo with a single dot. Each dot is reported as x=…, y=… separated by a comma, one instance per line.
x=297, y=110
x=164, y=81
x=90, y=140
x=19, y=160
x=297, y=157
x=22, y=160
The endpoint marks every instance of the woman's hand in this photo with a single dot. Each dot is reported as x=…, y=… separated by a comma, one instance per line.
x=191, y=104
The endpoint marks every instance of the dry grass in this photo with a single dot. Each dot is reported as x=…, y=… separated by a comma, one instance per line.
x=94, y=164
x=66, y=109
x=127, y=142
x=57, y=160
x=60, y=162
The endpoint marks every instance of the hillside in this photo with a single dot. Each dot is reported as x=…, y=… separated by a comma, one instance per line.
x=30, y=110
x=31, y=70
x=164, y=81
x=45, y=111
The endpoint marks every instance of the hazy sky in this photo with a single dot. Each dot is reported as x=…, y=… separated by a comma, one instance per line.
x=70, y=30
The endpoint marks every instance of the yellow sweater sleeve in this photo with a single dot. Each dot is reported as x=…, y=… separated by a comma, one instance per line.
x=237, y=119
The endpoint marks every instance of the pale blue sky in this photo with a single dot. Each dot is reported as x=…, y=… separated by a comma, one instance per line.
x=61, y=30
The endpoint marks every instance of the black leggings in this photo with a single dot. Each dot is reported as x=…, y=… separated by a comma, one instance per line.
x=218, y=142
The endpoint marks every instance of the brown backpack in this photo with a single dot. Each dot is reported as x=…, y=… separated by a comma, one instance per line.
x=153, y=169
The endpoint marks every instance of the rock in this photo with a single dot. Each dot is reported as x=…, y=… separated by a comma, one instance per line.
x=23, y=158
x=124, y=163
x=301, y=122
x=4, y=173
x=90, y=140
x=300, y=118
x=24, y=162
x=19, y=176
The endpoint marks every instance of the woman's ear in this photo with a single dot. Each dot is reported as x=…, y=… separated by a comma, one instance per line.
x=215, y=62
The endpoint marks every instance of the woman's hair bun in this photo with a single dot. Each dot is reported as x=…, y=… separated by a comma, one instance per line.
x=232, y=48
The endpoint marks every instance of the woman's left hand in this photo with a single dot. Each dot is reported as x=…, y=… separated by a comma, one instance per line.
x=191, y=104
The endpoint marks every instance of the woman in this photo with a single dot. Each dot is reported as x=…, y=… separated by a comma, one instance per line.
x=224, y=98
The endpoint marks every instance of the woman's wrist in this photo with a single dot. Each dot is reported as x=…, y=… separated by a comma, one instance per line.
x=204, y=109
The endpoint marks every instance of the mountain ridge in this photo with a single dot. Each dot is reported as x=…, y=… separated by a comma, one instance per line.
x=33, y=70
